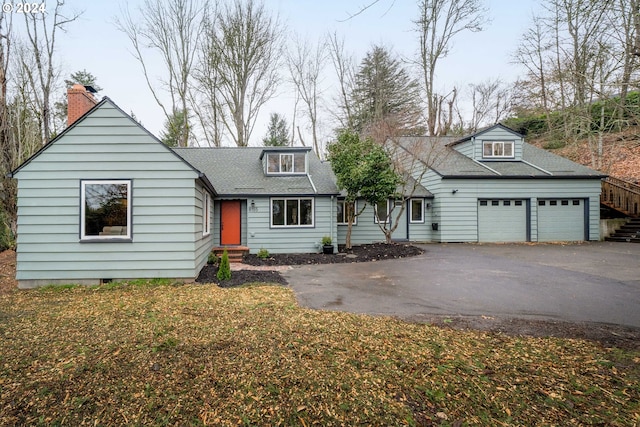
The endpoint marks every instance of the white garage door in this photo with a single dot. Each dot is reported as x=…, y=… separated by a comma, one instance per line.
x=561, y=220
x=502, y=220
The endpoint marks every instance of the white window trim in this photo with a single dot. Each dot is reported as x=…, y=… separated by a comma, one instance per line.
x=355, y=209
x=411, y=220
x=206, y=213
x=293, y=164
x=83, y=236
x=376, y=220
x=313, y=212
x=493, y=143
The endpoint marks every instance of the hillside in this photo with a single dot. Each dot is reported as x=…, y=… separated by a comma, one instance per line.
x=621, y=157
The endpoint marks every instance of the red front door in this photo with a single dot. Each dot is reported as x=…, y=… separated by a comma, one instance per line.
x=230, y=222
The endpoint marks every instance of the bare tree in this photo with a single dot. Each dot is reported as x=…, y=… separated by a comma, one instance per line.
x=306, y=63
x=438, y=23
x=344, y=67
x=245, y=44
x=172, y=29
x=490, y=103
x=38, y=60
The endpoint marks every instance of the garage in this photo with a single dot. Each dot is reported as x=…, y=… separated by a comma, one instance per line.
x=561, y=220
x=502, y=220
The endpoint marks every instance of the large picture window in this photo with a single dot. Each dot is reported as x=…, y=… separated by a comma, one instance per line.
x=105, y=210
x=497, y=149
x=342, y=218
x=286, y=163
x=289, y=212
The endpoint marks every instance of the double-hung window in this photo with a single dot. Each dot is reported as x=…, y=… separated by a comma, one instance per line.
x=286, y=163
x=382, y=212
x=342, y=217
x=497, y=149
x=292, y=212
x=105, y=209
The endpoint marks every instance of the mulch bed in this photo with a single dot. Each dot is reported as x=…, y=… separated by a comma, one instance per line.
x=360, y=253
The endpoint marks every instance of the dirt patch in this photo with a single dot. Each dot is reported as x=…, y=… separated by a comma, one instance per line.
x=360, y=253
x=241, y=277
x=605, y=334
x=8, y=280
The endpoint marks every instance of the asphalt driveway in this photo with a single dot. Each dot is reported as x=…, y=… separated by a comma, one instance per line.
x=588, y=282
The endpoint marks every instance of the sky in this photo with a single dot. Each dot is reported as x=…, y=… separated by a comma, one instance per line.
x=94, y=43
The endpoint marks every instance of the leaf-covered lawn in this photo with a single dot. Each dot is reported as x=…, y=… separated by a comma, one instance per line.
x=201, y=355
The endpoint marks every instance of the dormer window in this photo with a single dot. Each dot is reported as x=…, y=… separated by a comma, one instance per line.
x=286, y=163
x=497, y=149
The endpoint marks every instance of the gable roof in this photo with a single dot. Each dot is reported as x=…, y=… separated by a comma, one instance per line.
x=484, y=130
x=107, y=100
x=239, y=171
x=437, y=153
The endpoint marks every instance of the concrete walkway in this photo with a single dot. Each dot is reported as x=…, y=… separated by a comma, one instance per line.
x=588, y=282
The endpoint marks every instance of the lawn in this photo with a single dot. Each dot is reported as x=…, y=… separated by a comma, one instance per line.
x=162, y=354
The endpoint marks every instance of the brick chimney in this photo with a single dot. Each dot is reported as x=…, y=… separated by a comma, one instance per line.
x=80, y=99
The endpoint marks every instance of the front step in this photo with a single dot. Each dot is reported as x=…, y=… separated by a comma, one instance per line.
x=236, y=253
x=629, y=232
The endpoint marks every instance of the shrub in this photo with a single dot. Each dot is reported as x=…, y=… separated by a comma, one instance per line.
x=326, y=240
x=263, y=253
x=6, y=237
x=224, y=270
x=212, y=258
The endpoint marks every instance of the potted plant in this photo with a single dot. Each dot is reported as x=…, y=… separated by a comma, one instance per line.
x=327, y=247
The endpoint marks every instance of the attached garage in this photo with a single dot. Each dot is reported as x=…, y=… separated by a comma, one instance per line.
x=503, y=220
x=561, y=220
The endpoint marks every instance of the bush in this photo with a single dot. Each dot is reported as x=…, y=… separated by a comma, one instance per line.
x=212, y=259
x=263, y=253
x=6, y=237
x=224, y=270
x=326, y=240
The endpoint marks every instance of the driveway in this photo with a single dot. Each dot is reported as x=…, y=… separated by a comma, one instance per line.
x=588, y=282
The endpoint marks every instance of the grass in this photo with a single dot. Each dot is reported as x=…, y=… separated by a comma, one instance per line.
x=200, y=355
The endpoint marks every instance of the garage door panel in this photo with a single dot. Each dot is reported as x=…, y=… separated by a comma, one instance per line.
x=502, y=220
x=561, y=220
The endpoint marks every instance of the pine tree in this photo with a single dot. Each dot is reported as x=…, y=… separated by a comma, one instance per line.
x=224, y=270
x=277, y=132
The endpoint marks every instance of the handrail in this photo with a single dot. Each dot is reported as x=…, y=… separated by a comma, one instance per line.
x=621, y=195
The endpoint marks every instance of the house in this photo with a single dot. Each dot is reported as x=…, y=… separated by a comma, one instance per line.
x=106, y=200
x=492, y=186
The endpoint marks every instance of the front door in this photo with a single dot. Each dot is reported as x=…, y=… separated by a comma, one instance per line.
x=230, y=222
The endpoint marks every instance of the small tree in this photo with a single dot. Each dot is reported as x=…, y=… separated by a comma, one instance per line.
x=224, y=270
x=277, y=132
x=364, y=170
x=175, y=128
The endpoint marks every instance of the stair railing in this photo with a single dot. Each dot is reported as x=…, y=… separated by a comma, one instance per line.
x=621, y=195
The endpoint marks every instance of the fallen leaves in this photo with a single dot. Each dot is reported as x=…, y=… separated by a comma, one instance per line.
x=183, y=355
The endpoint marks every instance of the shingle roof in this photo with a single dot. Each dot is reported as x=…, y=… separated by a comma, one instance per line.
x=438, y=154
x=239, y=171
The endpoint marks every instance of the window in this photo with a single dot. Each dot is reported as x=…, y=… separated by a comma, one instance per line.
x=506, y=203
x=382, y=211
x=206, y=213
x=105, y=210
x=286, y=163
x=417, y=210
x=342, y=218
x=497, y=149
x=292, y=212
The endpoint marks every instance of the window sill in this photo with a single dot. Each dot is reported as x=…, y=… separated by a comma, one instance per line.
x=109, y=240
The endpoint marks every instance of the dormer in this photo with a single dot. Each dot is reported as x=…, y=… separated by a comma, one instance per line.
x=285, y=161
x=495, y=143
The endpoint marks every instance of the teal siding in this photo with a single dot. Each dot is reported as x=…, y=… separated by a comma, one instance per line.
x=167, y=236
x=290, y=240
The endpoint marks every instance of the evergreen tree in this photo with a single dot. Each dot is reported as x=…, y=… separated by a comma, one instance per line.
x=174, y=128
x=383, y=90
x=84, y=78
x=277, y=132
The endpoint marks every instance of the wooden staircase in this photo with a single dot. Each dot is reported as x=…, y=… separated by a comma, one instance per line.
x=622, y=196
x=630, y=232
x=235, y=252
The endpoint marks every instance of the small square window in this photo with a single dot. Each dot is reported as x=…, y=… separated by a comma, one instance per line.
x=576, y=203
x=495, y=203
x=518, y=202
x=507, y=203
x=553, y=203
x=483, y=203
x=542, y=203
x=565, y=203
